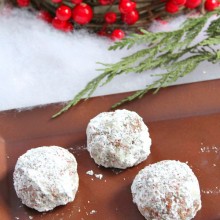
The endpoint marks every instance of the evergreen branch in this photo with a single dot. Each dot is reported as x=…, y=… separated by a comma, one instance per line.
x=214, y=28
x=177, y=70
x=174, y=52
x=211, y=41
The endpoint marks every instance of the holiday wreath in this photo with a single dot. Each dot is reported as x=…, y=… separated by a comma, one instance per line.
x=175, y=52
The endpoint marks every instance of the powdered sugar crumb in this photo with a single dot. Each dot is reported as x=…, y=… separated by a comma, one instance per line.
x=76, y=149
x=99, y=176
x=30, y=217
x=212, y=149
x=214, y=191
x=93, y=212
x=90, y=172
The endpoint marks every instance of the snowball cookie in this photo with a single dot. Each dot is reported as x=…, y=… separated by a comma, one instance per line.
x=46, y=177
x=118, y=139
x=167, y=190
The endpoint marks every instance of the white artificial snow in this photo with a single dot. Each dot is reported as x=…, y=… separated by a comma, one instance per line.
x=40, y=65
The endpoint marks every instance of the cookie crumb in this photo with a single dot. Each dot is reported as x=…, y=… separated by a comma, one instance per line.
x=90, y=172
x=99, y=176
x=93, y=212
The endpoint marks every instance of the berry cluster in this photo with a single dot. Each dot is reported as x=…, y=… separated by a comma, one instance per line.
x=112, y=16
x=173, y=6
x=81, y=13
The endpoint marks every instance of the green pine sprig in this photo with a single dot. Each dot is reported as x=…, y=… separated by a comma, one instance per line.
x=173, y=51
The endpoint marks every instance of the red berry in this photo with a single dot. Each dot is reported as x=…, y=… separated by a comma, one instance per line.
x=102, y=33
x=117, y=34
x=63, y=13
x=126, y=6
x=210, y=5
x=178, y=2
x=82, y=13
x=170, y=7
x=131, y=17
x=65, y=26
x=58, y=24
x=110, y=17
x=192, y=3
x=45, y=16
x=68, y=27
x=23, y=3
x=76, y=1
x=56, y=1
x=105, y=2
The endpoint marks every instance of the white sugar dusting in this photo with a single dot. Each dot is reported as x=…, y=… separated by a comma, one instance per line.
x=210, y=149
x=118, y=139
x=77, y=149
x=213, y=191
x=46, y=177
x=167, y=190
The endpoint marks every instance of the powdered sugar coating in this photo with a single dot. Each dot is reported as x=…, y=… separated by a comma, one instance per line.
x=118, y=139
x=46, y=177
x=167, y=190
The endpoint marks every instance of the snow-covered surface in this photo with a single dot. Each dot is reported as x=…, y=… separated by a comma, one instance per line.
x=40, y=65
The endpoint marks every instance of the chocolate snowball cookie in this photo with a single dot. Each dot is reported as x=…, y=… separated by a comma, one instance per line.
x=46, y=177
x=167, y=190
x=118, y=139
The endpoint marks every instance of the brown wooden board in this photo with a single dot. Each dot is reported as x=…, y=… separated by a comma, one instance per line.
x=184, y=124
